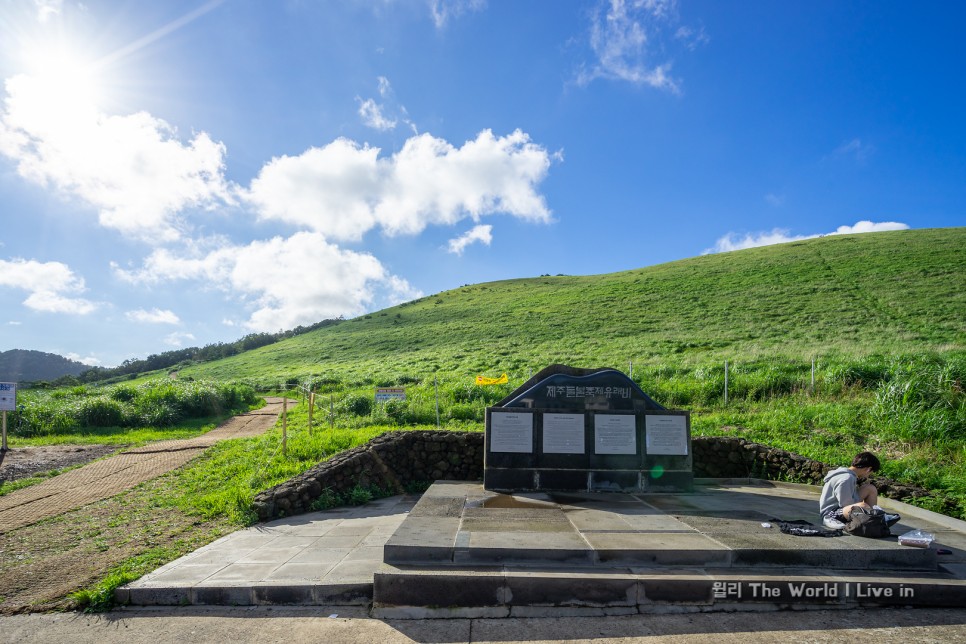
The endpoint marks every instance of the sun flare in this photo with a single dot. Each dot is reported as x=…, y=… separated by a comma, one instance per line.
x=65, y=77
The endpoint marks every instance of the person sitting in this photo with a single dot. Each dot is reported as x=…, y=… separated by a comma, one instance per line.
x=842, y=492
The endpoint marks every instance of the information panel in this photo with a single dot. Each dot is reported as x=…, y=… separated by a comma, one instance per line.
x=563, y=433
x=511, y=432
x=615, y=434
x=390, y=393
x=666, y=434
x=8, y=396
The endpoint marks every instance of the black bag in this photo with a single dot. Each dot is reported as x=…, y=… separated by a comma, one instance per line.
x=867, y=523
x=802, y=528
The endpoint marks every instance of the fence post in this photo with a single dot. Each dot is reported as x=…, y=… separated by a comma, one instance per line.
x=284, y=426
x=813, y=375
x=331, y=411
x=436, y=387
x=726, y=383
x=630, y=369
x=311, y=409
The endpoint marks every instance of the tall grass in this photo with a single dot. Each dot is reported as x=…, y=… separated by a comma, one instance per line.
x=156, y=403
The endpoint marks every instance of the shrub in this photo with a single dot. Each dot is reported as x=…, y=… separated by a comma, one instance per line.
x=356, y=405
x=396, y=411
x=100, y=412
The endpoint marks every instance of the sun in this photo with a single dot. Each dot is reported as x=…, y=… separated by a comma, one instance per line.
x=64, y=76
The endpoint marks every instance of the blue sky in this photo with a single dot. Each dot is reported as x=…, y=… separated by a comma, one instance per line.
x=181, y=173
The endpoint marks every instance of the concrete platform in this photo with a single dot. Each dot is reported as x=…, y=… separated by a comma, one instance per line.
x=320, y=558
x=461, y=551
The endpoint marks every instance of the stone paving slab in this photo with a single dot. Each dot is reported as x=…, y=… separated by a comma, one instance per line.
x=318, y=558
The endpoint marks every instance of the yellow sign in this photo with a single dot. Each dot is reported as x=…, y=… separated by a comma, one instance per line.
x=502, y=380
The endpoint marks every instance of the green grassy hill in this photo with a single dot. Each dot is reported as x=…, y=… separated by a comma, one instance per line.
x=883, y=315
x=839, y=296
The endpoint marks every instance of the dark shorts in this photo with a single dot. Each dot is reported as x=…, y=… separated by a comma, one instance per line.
x=835, y=514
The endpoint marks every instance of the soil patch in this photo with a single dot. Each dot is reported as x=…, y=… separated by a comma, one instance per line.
x=23, y=462
x=41, y=564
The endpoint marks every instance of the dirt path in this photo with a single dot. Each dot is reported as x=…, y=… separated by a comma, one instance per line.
x=105, y=478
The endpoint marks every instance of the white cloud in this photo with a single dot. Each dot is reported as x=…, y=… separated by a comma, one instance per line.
x=627, y=35
x=371, y=113
x=855, y=149
x=692, y=38
x=154, y=316
x=866, y=226
x=775, y=200
x=285, y=282
x=386, y=115
x=46, y=9
x=443, y=10
x=88, y=360
x=482, y=234
x=344, y=189
x=732, y=241
x=178, y=339
x=52, y=286
x=134, y=170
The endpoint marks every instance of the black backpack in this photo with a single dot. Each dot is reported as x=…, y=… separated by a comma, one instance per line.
x=867, y=523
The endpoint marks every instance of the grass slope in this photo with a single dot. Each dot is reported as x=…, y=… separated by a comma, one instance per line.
x=851, y=295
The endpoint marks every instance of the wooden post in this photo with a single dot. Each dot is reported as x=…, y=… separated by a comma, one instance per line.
x=284, y=426
x=726, y=383
x=436, y=387
x=311, y=408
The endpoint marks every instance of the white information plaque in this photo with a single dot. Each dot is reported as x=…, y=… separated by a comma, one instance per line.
x=8, y=396
x=615, y=434
x=511, y=432
x=666, y=434
x=563, y=433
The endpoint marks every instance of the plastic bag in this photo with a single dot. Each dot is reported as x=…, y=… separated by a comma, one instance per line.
x=917, y=538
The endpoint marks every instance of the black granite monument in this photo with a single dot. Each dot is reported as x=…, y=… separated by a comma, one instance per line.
x=569, y=429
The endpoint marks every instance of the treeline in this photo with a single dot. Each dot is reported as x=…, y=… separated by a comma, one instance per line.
x=176, y=357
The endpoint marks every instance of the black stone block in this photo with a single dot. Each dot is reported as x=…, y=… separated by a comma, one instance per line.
x=507, y=480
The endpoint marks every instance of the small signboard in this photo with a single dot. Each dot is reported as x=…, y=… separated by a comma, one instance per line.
x=666, y=434
x=390, y=393
x=511, y=433
x=8, y=396
x=563, y=433
x=614, y=434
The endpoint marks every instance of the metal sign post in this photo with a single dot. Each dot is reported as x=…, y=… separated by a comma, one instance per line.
x=8, y=402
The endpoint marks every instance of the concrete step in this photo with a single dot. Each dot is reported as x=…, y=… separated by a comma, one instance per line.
x=418, y=592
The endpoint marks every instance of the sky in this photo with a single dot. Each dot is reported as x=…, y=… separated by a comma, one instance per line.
x=181, y=173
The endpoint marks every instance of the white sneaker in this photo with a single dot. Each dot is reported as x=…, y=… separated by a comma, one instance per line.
x=890, y=517
x=832, y=524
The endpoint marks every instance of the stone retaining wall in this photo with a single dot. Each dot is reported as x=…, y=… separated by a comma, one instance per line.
x=394, y=461
x=403, y=461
